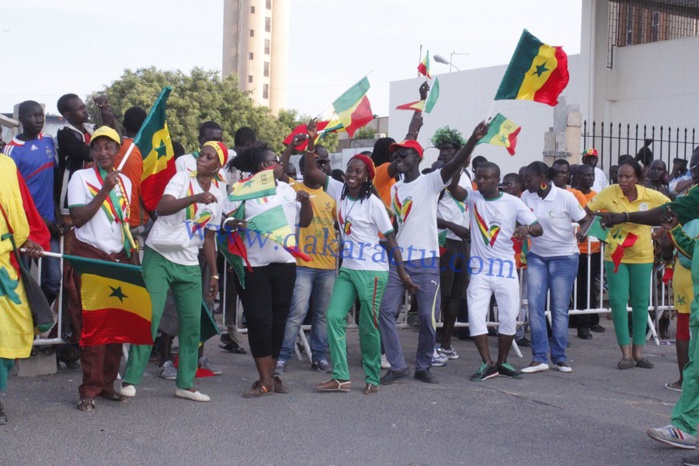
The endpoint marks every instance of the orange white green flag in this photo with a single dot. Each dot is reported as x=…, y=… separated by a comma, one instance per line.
x=261, y=184
x=537, y=72
x=502, y=132
x=153, y=140
x=116, y=306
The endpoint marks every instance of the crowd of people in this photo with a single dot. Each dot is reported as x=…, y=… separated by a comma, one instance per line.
x=454, y=235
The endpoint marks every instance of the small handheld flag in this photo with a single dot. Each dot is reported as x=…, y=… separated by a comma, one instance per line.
x=502, y=132
x=424, y=67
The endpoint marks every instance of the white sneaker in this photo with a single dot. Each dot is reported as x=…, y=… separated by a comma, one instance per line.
x=168, y=371
x=438, y=359
x=194, y=396
x=384, y=362
x=448, y=352
x=536, y=368
x=205, y=364
x=128, y=391
x=562, y=366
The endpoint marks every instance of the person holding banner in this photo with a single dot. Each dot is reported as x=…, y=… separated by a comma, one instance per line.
x=188, y=214
x=99, y=201
x=628, y=260
x=269, y=279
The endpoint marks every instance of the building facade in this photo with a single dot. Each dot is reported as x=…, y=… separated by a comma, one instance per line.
x=255, y=47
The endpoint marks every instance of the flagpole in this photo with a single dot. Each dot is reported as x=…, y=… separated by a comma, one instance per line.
x=126, y=156
x=490, y=112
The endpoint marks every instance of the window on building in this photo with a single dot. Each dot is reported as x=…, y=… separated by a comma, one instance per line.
x=268, y=45
x=268, y=24
x=250, y=55
x=249, y=78
x=265, y=91
x=266, y=69
x=252, y=33
x=268, y=4
x=252, y=10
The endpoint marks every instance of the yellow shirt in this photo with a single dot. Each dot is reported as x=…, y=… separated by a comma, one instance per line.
x=612, y=199
x=319, y=239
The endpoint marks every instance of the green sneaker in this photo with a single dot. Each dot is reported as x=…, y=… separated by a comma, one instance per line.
x=485, y=372
x=507, y=370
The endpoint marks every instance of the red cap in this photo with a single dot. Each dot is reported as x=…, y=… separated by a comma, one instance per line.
x=590, y=153
x=408, y=144
x=367, y=162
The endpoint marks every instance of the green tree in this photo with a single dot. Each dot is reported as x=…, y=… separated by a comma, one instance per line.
x=196, y=97
x=367, y=132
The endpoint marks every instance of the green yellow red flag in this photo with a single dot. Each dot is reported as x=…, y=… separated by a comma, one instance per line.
x=261, y=184
x=502, y=132
x=416, y=106
x=153, y=140
x=537, y=72
x=352, y=108
x=231, y=245
x=432, y=98
x=273, y=224
x=424, y=67
x=116, y=307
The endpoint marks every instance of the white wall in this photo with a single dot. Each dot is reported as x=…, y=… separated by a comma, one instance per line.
x=464, y=100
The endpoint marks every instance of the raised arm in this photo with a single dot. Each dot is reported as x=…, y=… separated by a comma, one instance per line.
x=464, y=153
x=286, y=155
x=310, y=169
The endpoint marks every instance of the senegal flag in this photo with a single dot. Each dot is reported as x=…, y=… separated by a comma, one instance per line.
x=261, y=184
x=537, y=72
x=416, y=106
x=352, y=108
x=424, y=67
x=115, y=303
x=274, y=225
x=502, y=132
x=153, y=140
x=231, y=245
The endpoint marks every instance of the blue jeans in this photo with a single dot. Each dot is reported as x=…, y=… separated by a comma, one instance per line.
x=556, y=274
x=315, y=284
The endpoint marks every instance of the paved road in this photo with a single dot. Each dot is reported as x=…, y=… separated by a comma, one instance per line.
x=597, y=415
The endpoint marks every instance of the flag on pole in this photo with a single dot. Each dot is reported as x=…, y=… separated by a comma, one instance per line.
x=537, y=72
x=432, y=98
x=273, y=224
x=502, y=132
x=116, y=306
x=153, y=140
x=424, y=67
x=416, y=106
x=261, y=184
x=352, y=108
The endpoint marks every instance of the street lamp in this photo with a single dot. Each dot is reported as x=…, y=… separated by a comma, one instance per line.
x=444, y=61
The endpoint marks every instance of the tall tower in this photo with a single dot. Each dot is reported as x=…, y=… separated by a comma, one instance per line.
x=255, y=47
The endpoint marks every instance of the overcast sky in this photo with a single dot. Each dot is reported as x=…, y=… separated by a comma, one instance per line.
x=52, y=47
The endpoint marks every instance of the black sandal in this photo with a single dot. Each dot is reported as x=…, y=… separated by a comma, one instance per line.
x=86, y=404
x=234, y=348
x=3, y=416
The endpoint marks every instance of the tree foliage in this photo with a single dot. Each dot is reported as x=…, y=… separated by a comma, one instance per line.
x=196, y=97
x=367, y=132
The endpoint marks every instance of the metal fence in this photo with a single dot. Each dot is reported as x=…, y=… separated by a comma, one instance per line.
x=612, y=140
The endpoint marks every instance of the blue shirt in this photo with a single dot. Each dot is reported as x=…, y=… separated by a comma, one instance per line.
x=36, y=161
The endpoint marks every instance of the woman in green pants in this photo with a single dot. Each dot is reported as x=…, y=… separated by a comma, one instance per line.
x=361, y=216
x=630, y=279
x=188, y=212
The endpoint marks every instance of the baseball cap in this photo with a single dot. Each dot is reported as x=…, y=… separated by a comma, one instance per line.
x=407, y=144
x=590, y=153
x=105, y=132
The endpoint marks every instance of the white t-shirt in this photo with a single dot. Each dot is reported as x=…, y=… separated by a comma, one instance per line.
x=454, y=211
x=415, y=207
x=102, y=230
x=493, y=222
x=555, y=214
x=188, y=163
x=601, y=181
x=261, y=249
x=360, y=224
x=189, y=224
